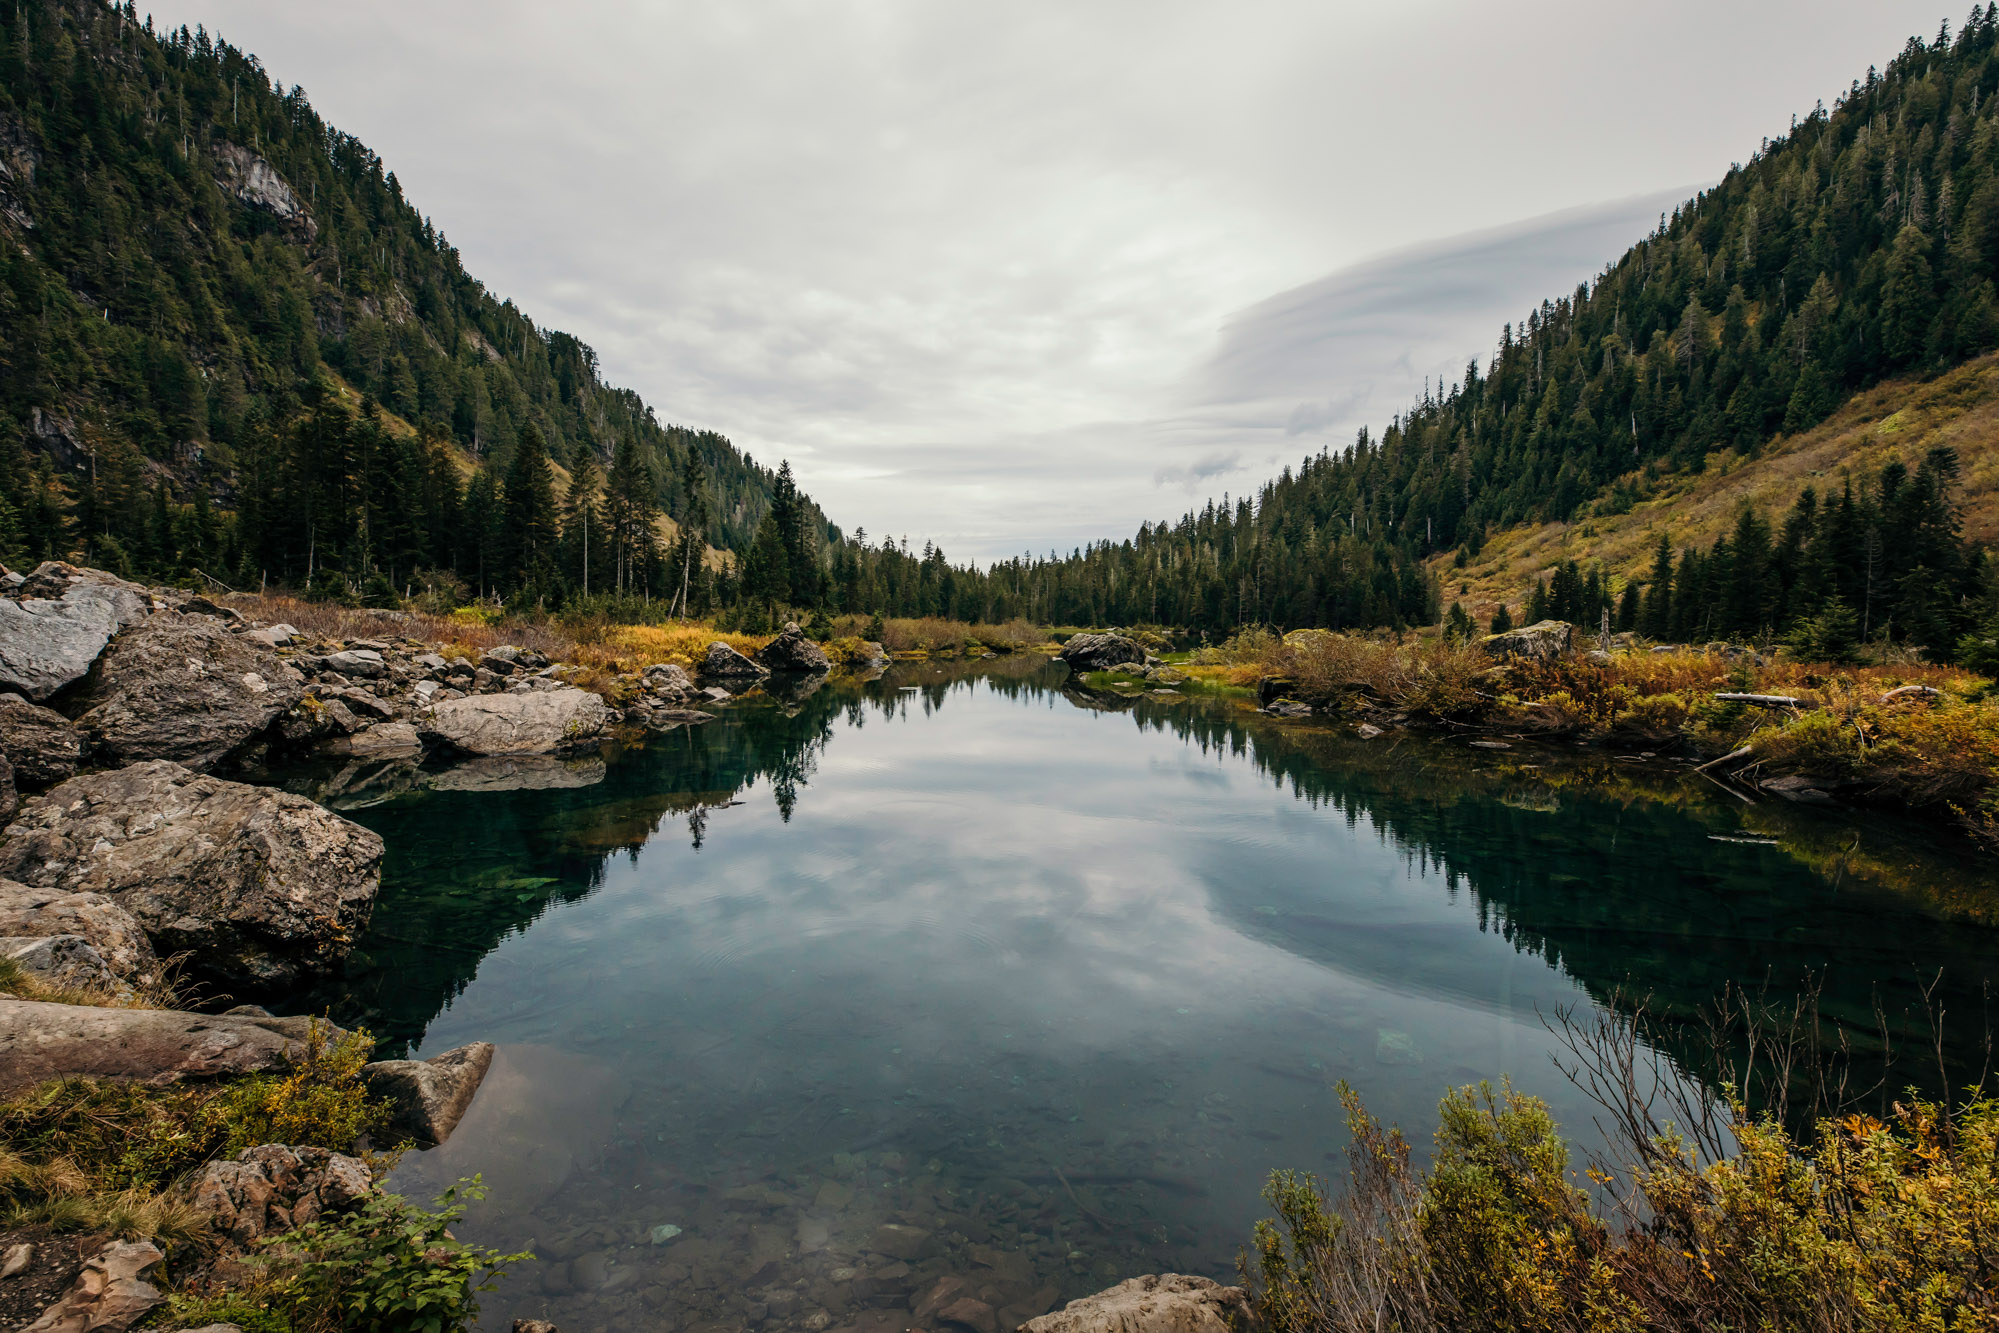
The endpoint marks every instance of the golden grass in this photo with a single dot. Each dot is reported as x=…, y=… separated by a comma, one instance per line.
x=1900, y=419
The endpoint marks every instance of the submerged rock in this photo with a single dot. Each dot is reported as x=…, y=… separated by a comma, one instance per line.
x=1540, y=641
x=722, y=661
x=41, y=1041
x=186, y=690
x=1100, y=652
x=42, y=745
x=1161, y=1303
x=520, y=772
x=259, y=888
x=792, y=652
x=430, y=1096
x=535, y=722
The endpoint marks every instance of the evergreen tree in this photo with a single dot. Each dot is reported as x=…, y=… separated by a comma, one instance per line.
x=530, y=525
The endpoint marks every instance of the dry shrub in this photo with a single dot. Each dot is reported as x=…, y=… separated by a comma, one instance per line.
x=1435, y=679
x=1246, y=648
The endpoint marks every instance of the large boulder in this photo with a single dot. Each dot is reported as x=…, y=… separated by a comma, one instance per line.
x=111, y=1293
x=532, y=722
x=1538, y=642
x=41, y=1041
x=274, y=1188
x=112, y=931
x=259, y=888
x=65, y=961
x=724, y=663
x=791, y=652
x=57, y=622
x=1100, y=652
x=43, y=745
x=1160, y=1303
x=184, y=689
x=430, y=1096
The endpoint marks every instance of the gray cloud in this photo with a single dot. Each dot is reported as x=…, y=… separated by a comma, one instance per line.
x=1002, y=274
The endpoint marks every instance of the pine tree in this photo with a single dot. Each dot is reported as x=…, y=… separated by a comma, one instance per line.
x=530, y=520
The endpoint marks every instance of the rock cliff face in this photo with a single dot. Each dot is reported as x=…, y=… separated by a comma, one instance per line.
x=259, y=888
x=257, y=183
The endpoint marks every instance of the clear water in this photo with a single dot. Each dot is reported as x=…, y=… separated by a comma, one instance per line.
x=1050, y=979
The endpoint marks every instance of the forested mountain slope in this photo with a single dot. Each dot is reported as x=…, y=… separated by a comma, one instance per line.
x=193, y=257
x=1859, y=247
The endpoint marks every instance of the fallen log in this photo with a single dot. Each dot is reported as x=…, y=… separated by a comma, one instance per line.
x=1760, y=700
x=1742, y=753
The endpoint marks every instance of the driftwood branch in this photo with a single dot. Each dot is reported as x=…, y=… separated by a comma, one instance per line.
x=1743, y=753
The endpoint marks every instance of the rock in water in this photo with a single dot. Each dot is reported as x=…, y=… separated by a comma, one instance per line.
x=538, y=722
x=792, y=652
x=42, y=744
x=111, y=1293
x=1100, y=652
x=41, y=1041
x=182, y=689
x=259, y=888
x=429, y=1096
x=725, y=662
x=1162, y=1303
x=272, y=1189
x=1540, y=641
x=112, y=931
x=54, y=625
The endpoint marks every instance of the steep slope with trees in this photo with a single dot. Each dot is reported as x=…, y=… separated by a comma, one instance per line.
x=196, y=267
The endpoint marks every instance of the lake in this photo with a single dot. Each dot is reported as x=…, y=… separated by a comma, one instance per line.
x=956, y=973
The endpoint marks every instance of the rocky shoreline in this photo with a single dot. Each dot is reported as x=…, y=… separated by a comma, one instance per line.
x=137, y=871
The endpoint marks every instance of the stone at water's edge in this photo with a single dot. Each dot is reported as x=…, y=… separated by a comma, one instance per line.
x=40, y=1041
x=791, y=651
x=42, y=744
x=539, y=722
x=183, y=689
x=260, y=888
x=110, y=1295
x=1100, y=652
x=725, y=662
x=1542, y=640
x=430, y=1096
x=1161, y=1303
x=54, y=624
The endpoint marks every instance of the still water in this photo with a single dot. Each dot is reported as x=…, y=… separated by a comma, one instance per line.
x=1041, y=982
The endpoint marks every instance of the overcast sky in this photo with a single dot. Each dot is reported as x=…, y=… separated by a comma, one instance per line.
x=1015, y=275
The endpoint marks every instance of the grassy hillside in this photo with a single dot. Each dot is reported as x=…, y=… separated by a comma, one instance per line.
x=1899, y=419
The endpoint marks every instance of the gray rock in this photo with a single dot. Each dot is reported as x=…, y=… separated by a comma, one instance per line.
x=1287, y=708
x=901, y=1242
x=387, y=738
x=430, y=1096
x=432, y=663
x=10, y=796
x=1161, y=1303
x=663, y=719
x=723, y=662
x=258, y=887
x=40, y=1041
x=184, y=690
x=501, y=661
x=538, y=722
x=60, y=960
x=55, y=624
x=1100, y=652
x=715, y=694
x=42, y=744
x=109, y=929
x=362, y=662
x=1540, y=641
x=793, y=653
x=667, y=681
x=272, y=1189
x=1367, y=731
x=1792, y=787
x=277, y=636
x=534, y=1326
x=111, y=1293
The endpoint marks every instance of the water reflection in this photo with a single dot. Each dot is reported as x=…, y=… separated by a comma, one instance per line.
x=998, y=991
